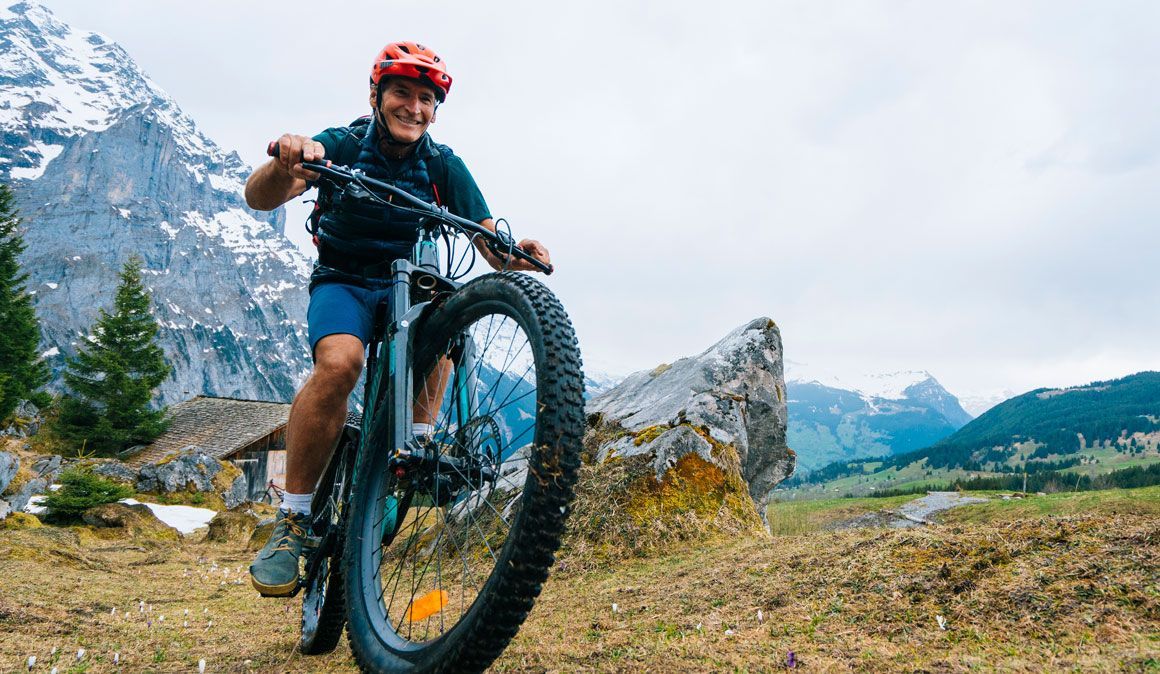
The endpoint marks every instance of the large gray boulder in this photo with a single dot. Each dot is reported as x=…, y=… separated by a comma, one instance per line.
x=732, y=395
x=33, y=487
x=9, y=464
x=115, y=470
x=237, y=493
x=48, y=467
x=26, y=421
x=192, y=470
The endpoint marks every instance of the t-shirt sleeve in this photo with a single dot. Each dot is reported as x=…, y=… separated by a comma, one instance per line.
x=330, y=140
x=463, y=198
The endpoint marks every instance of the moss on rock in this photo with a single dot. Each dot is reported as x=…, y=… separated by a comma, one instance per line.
x=16, y=521
x=231, y=526
x=117, y=520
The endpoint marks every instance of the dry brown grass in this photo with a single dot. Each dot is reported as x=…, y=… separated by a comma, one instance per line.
x=1040, y=594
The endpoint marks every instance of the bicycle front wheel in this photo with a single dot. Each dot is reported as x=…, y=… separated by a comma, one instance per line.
x=450, y=542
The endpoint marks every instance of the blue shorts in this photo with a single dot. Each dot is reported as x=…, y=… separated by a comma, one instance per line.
x=343, y=309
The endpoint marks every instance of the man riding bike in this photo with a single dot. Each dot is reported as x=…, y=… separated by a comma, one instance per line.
x=356, y=245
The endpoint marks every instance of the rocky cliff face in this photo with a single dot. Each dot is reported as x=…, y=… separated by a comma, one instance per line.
x=720, y=415
x=104, y=165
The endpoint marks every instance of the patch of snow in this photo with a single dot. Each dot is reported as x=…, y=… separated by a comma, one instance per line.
x=226, y=183
x=52, y=286
x=33, y=506
x=186, y=519
x=76, y=258
x=978, y=402
x=245, y=235
x=125, y=212
x=50, y=353
x=42, y=155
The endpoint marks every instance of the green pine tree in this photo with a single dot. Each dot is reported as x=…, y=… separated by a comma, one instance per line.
x=111, y=379
x=22, y=372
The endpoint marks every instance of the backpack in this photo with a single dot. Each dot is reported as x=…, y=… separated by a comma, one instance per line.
x=347, y=155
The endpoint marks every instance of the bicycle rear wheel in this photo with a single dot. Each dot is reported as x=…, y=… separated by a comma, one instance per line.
x=323, y=614
x=447, y=547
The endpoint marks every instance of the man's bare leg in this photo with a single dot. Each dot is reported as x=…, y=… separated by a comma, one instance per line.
x=319, y=410
x=430, y=395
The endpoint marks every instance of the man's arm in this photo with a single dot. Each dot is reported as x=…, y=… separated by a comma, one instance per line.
x=283, y=178
x=529, y=246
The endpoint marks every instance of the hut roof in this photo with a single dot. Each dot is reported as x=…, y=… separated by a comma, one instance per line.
x=217, y=426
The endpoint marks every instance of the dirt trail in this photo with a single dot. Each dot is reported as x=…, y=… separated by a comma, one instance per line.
x=920, y=510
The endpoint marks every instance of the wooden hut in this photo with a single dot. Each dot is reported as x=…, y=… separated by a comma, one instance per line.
x=250, y=433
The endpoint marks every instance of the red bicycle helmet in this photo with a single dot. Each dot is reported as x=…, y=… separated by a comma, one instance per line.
x=413, y=60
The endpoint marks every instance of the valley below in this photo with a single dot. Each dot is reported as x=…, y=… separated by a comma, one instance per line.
x=1062, y=582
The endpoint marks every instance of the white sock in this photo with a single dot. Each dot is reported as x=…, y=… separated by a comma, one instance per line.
x=297, y=503
x=422, y=429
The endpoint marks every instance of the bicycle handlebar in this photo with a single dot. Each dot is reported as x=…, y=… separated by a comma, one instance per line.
x=498, y=242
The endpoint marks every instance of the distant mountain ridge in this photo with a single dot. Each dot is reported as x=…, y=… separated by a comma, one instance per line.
x=1115, y=423
x=846, y=417
x=105, y=164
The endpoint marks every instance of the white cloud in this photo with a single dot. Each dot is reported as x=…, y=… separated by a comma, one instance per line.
x=967, y=189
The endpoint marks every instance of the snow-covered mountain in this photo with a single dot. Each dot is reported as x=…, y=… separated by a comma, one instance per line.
x=978, y=402
x=834, y=417
x=104, y=164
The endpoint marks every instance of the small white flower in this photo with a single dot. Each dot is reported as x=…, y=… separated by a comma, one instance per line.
x=201, y=666
x=80, y=654
x=113, y=611
x=942, y=622
x=615, y=608
x=728, y=633
x=116, y=658
x=185, y=623
x=53, y=671
x=161, y=619
x=141, y=606
x=698, y=627
x=209, y=625
x=31, y=662
x=760, y=617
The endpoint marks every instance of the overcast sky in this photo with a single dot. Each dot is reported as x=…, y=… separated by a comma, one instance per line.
x=968, y=188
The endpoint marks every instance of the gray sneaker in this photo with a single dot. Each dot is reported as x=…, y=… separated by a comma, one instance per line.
x=274, y=572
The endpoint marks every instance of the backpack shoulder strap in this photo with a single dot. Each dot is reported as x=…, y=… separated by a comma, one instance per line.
x=348, y=147
x=437, y=172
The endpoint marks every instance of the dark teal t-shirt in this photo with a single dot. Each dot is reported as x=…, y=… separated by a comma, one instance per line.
x=463, y=197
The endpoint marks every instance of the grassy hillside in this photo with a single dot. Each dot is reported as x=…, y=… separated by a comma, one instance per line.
x=1060, y=583
x=1063, y=438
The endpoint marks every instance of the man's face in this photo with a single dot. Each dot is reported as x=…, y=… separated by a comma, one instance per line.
x=408, y=108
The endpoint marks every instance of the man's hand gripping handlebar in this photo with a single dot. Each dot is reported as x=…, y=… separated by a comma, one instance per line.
x=499, y=243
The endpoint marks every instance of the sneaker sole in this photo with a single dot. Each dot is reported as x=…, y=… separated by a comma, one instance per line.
x=285, y=590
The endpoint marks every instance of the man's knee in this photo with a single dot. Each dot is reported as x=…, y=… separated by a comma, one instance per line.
x=338, y=361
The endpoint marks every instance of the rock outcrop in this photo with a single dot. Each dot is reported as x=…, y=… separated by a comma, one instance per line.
x=123, y=519
x=29, y=481
x=687, y=448
x=732, y=394
x=194, y=471
x=9, y=465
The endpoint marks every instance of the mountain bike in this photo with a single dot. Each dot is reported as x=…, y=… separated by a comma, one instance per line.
x=432, y=549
